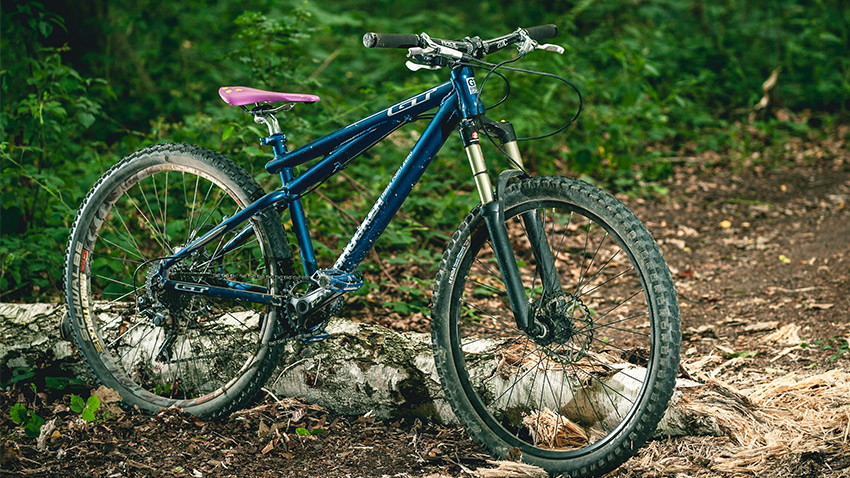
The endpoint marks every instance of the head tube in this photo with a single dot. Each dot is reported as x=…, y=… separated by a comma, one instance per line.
x=463, y=80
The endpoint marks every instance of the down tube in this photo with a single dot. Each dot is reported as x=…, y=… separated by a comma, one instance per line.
x=435, y=135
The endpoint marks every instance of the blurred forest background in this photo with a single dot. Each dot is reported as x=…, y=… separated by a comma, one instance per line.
x=83, y=84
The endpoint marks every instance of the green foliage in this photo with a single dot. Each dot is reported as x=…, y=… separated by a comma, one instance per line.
x=18, y=374
x=304, y=432
x=47, y=109
x=22, y=416
x=660, y=78
x=273, y=48
x=86, y=409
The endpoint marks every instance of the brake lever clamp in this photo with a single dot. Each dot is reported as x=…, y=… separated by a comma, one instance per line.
x=440, y=49
x=526, y=43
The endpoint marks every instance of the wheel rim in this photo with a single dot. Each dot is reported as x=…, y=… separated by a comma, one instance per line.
x=574, y=386
x=197, y=347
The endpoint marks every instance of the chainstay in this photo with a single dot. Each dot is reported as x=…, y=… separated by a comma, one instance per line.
x=291, y=281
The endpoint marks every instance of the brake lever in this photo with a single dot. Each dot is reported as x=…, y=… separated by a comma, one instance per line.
x=550, y=47
x=417, y=66
x=421, y=54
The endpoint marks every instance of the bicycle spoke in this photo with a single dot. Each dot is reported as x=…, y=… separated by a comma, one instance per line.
x=150, y=222
x=590, y=264
x=607, y=281
x=598, y=271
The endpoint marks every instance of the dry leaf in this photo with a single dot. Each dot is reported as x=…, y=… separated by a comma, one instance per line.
x=770, y=82
x=686, y=274
x=107, y=395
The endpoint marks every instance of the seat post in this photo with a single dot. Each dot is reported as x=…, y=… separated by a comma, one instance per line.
x=269, y=120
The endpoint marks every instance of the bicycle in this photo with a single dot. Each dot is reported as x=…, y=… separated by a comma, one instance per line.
x=555, y=324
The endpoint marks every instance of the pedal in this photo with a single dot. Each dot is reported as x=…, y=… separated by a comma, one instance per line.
x=337, y=281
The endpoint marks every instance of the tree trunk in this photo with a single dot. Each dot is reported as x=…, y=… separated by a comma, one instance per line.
x=361, y=369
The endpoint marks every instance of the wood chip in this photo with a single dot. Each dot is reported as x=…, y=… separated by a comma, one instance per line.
x=784, y=353
x=269, y=447
x=511, y=469
x=813, y=305
x=761, y=326
x=788, y=334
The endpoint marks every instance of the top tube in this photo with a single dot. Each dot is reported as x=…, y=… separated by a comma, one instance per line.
x=400, y=113
x=462, y=81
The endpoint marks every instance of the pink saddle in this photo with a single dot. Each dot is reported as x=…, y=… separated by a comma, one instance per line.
x=242, y=95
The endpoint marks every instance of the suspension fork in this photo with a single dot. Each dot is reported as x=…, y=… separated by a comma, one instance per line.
x=534, y=224
x=493, y=211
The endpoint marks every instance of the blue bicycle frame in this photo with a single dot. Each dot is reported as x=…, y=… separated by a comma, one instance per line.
x=456, y=100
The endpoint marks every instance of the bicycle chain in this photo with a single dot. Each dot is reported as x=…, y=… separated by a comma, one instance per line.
x=292, y=281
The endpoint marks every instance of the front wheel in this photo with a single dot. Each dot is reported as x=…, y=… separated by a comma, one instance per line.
x=587, y=387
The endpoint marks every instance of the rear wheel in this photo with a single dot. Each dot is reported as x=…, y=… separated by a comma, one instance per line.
x=583, y=392
x=158, y=347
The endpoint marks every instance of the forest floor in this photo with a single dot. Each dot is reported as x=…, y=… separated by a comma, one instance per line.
x=761, y=258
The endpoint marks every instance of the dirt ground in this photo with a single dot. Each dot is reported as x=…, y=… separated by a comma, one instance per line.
x=761, y=258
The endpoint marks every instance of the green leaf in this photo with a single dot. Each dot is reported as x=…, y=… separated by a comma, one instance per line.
x=60, y=383
x=87, y=415
x=19, y=413
x=21, y=373
x=829, y=37
x=302, y=432
x=85, y=119
x=77, y=403
x=93, y=403
x=33, y=425
x=228, y=132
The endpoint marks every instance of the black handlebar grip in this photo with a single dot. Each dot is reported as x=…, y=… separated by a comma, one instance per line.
x=542, y=32
x=390, y=40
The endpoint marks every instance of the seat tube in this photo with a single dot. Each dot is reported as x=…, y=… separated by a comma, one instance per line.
x=299, y=228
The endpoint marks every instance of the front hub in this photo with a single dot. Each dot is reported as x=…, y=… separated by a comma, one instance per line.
x=563, y=327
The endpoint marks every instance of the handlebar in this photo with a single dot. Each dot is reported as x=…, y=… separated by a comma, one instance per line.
x=542, y=32
x=391, y=40
x=475, y=46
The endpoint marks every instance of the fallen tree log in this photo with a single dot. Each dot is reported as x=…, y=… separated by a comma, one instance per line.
x=360, y=369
